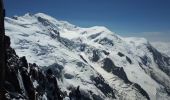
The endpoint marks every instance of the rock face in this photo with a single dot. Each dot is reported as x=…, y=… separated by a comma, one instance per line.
x=26, y=81
x=105, y=65
x=162, y=61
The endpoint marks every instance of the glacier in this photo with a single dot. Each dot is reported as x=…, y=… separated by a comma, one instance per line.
x=105, y=65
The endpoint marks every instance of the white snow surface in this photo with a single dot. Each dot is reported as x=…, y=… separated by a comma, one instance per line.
x=163, y=47
x=34, y=36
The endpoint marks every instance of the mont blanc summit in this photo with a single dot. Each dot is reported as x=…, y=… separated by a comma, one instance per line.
x=103, y=64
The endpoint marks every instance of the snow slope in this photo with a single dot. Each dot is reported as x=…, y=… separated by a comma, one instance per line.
x=163, y=47
x=104, y=64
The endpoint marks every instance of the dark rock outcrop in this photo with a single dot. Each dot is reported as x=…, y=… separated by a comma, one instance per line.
x=94, y=35
x=129, y=60
x=119, y=71
x=108, y=65
x=106, y=41
x=103, y=86
x=95, y=57
x=142, y=91
x=120, y=54
x=57, y=69
x=106, y=53
x=45, y=22
x=21, y=78
x=83, y=58
x=162, y=61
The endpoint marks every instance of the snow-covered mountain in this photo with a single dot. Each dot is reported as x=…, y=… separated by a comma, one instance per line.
x=163, y=47
x=105, y=65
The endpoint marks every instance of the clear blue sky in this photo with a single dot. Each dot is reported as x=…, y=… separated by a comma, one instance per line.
x=145, y=18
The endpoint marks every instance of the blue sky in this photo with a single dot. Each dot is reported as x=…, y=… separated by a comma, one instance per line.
x=139, y=18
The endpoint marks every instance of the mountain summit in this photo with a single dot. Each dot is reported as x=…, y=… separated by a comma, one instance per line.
x=105, y=65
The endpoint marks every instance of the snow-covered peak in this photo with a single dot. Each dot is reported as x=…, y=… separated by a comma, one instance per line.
x=100, y=28
x=89, y=57
x=58, y=23
x=27, y=15
x=45, y=16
